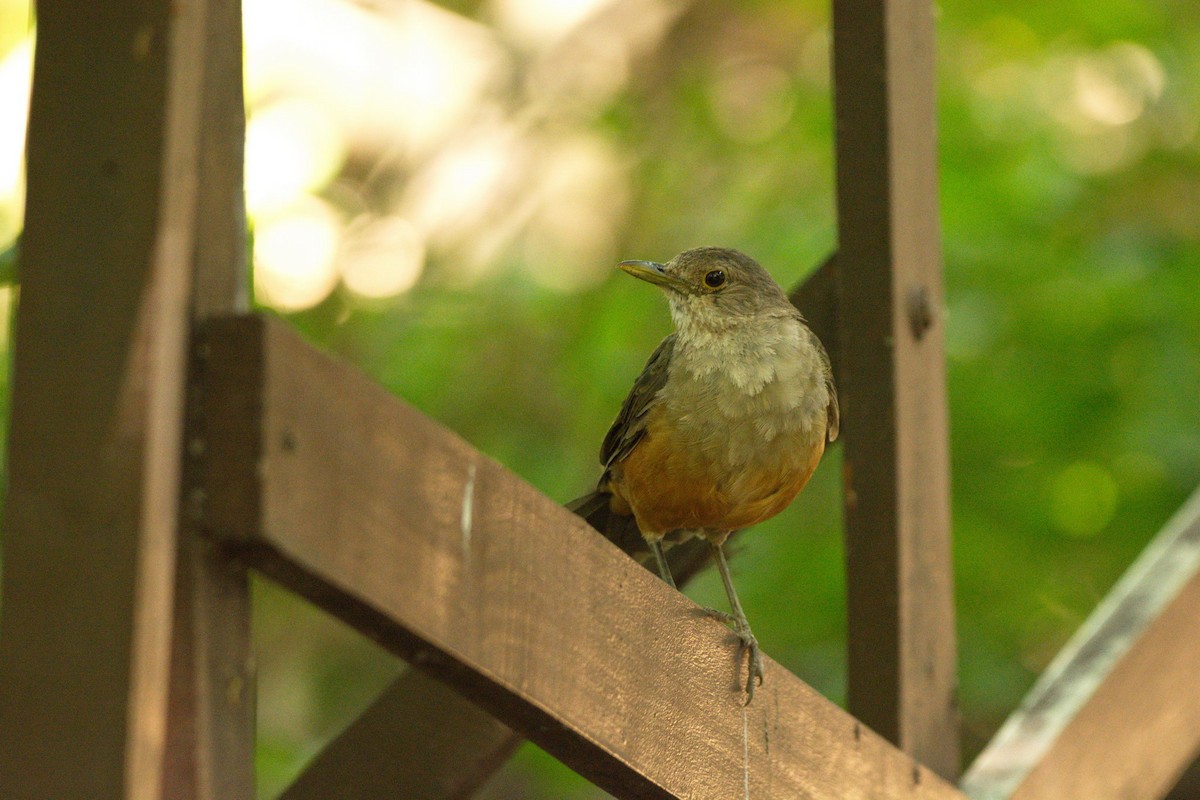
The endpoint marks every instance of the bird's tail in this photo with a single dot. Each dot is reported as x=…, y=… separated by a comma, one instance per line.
x=620, y=529
x=685, y=559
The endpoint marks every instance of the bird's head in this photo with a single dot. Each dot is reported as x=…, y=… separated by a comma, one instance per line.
x=713, y=287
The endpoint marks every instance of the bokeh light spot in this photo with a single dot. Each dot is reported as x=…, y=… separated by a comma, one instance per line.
x=1083, y=499
x=752, y=100
x=294, y=256
x=16, y=71
x=293, y=147
x=581, y=195
x=382, y=257
x=538, y=23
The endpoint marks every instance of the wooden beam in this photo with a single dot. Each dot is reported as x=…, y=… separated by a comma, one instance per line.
x=419, y=740
x=422, y=740
x=902, y=679
x=1117, y=713
x=210, y=752
x=98, y=386
x=381, y=517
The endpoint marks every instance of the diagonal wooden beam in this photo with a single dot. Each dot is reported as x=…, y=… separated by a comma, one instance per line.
x=1117, y=713
x=375, y=513
x=419, y=740
x=901, y=633
x=98, y=386
x=423, y=741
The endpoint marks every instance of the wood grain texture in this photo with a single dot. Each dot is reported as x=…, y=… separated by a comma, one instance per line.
x=902, y=652
x=422, y=740
x=98, y=386
x=210, y=752
x=1117, y=713
x=402, y=530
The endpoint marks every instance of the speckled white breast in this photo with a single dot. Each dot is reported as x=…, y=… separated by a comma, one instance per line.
x=748, y=398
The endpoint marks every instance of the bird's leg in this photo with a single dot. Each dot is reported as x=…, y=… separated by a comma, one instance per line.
x=663, y=568
x=741, y=626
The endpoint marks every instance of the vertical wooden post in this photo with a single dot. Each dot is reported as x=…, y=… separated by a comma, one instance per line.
x=210, y=754
x=901, y=628
x=98, y=386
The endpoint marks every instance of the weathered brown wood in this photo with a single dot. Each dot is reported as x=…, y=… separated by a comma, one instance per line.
x=94, y=461
x=210, y=735
x=419, y=740
x=401, y=529
x=902, y=677
x=1117, y=714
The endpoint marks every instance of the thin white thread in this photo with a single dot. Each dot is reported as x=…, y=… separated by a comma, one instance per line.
x=745, y=753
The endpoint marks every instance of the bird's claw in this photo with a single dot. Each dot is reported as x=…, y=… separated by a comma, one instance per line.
x=741, y=629
x=754, y=672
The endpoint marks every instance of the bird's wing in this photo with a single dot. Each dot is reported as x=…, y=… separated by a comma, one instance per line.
x=833, y=414
x=630, y=425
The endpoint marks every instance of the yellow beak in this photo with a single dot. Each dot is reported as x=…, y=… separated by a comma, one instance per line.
x=653, y=272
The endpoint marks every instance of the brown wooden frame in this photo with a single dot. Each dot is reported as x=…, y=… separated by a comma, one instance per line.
x=148, y=470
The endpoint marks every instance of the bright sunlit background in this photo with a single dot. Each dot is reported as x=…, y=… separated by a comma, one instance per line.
x=439, y=193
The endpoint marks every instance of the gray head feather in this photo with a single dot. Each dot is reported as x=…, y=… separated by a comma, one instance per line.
x=743, y=289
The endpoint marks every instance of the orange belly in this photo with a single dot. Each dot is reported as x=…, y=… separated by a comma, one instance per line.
x=668, y=489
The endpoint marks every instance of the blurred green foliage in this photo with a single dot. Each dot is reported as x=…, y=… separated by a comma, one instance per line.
x=1070, y=193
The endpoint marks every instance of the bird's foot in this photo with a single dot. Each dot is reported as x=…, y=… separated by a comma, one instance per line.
x=754, y=670
x=741, y=628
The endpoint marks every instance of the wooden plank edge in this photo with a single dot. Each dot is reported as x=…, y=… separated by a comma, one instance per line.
x=1078, y=676
x=211, y=713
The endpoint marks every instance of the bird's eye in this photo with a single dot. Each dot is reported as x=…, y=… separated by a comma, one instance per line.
x=714, y=279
